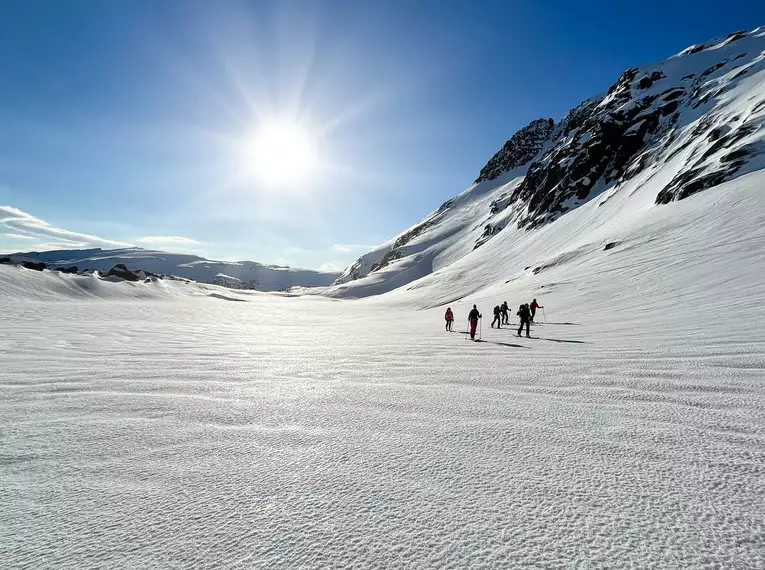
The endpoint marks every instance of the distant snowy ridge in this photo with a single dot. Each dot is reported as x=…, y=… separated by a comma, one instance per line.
x=673, y=128
x=238, y=275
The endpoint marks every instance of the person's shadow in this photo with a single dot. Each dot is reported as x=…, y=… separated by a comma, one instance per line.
x=507, y=344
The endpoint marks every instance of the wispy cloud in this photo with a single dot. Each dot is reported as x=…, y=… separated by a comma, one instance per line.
x=53, y=246
x=331, y=267
x=348, y=247
x=15, y=220
x=167, y=240
x=19, y=236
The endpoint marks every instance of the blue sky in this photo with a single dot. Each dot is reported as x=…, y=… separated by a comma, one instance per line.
x=124, y=122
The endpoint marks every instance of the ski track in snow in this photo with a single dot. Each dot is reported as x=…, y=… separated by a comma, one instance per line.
x=309, y=433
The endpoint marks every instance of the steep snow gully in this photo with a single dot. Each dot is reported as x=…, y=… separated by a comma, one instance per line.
x=160, y=425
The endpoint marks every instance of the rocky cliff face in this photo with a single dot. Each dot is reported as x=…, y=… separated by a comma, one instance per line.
x=642, y=120
x=519, y=150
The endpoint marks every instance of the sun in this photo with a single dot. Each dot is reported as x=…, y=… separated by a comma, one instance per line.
x=282, y=152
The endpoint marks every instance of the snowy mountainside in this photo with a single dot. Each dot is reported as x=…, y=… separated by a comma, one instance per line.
x=458, y=227
x=237, y=275
x=664, y=131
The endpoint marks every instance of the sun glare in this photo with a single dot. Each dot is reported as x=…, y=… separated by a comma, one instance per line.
x=282, y=152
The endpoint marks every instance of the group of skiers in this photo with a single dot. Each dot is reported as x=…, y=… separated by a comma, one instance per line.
x=526, y=313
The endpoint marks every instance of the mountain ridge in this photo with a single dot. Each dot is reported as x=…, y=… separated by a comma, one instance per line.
x=691, y=122
x=237, y=274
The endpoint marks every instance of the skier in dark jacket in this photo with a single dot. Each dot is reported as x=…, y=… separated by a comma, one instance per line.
x=534, y=306
x=525, y=315
x=473, y=317
x=497, y=318
x=505, y=313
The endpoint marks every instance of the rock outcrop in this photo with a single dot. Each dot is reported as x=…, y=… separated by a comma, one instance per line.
x=519, y=150
x=122, y=272
x=640, y=122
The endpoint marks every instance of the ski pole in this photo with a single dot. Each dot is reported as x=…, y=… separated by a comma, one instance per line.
x=480, y=331
x=543, y=314
x=467, y=332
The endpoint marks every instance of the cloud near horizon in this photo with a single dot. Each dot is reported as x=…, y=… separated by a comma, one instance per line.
x=21, y=231
x=25, y=226
x=167, y=240
x=348, y=247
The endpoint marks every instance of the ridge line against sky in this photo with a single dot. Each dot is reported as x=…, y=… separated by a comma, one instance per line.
x=135, y=120
x=38, y=235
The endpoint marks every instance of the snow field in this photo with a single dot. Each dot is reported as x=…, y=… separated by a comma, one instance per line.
x=314, y=433
x=163, y=425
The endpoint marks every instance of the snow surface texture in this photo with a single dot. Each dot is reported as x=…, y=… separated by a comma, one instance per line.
x=668, y=130
x=161, y=425
x=237, y=274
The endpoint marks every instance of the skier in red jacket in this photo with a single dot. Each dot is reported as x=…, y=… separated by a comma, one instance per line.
x=449, y=319
x=473, y=317
x=534, y=306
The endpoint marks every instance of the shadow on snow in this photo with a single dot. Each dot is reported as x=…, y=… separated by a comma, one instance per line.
x=507, y=344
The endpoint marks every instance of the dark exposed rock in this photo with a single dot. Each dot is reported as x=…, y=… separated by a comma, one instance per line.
x=706, y=171
x=648, y=80
x=735, y=36
x=716, y=134
x=670, y=108
x=36, y=266
x=519, y=150
x=489, y=230
x=735, y=155
x=396, y=251
x=695, y=49
x=609, y=135
x=72, y=269
x=672, y=94
x=5, y=259
x=445, y=206
x=121, y=271
x=711, y=70
x=610, y=245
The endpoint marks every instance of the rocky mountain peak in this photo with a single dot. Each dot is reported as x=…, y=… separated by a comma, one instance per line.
x=523, y=146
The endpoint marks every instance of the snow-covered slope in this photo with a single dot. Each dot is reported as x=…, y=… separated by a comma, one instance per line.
x=240, y=274
x=188, y=431
x=661, y=133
